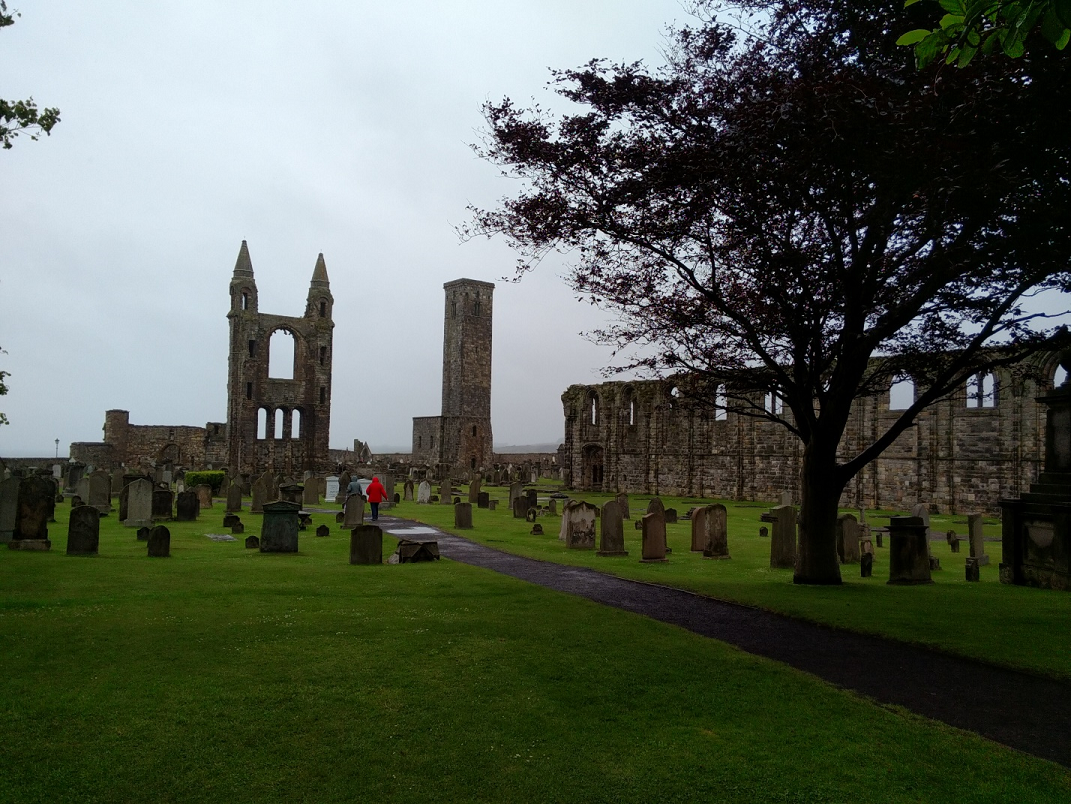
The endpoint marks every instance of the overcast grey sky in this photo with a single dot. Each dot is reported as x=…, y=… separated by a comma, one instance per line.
x=341, y=127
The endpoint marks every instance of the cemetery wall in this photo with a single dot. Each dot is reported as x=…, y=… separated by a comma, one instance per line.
x=31, y=463
x=960, y=455
x=139, y=445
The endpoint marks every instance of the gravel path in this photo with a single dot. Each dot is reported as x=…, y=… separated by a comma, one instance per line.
x=1026, y=712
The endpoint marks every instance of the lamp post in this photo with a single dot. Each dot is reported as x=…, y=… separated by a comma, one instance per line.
x=57, y=449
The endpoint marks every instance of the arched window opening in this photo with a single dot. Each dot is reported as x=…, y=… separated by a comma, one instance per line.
x=323, y=354
x=453, y=309
x=476, y=307
x=1060, y=377
x=323, y=394
x=472, y=463
x=902, y=394
x=249, y=390
x=278, y=424
x=252, y=348
x=262, y=423
x=773, y=403
x=295, y=423
x=323, y=309
x=420, y=442
x=632, y=412
x=245, y=300
x=281, y=353
x=474, y=431
x=982, y=391
x=720, y=404
x=593, y=408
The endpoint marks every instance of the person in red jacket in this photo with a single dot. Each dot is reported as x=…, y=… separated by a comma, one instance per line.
x=376, y=494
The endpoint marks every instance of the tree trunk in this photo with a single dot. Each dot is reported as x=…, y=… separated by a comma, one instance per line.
x=817, y=561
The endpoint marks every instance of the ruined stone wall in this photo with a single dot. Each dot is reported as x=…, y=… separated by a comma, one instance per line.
x=637, y=437
x=140, y=445
x=426, y=435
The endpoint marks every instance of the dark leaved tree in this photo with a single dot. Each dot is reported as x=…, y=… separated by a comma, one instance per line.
x=22, y=116
x=775, y=213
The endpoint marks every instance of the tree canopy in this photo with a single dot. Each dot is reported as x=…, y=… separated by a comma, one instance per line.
x=772, y=212
x=22, y=116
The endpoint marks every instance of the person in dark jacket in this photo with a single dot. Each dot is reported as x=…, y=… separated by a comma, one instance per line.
x=376, y=494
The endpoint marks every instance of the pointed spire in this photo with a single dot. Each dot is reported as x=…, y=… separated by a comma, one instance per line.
x=319, y=273
x=243, y=266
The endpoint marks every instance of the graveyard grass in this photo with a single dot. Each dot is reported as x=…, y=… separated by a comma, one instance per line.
x=997, y=623
x=224, y=674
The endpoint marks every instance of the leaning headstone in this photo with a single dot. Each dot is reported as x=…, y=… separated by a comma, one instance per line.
x=279, y=533
x=975, y=528
x=953, y=540
x=611, y=531
x=187, y=506
x=159, y=542
x=252, y=543
x=138, y=503
x=622, y=502
x=340, y=517
x=580, y=530
x=909, y=555
x=783, y=542
x=259, y=495
x=354, y=511
x=847, y=539
x=424, y=493
x=83, y=531
x=204, y=495
x=9, y=506
x=143, y=533
x=366, y=545
x=463, y=516
x=653, y=526
x=717, y=531
x=162, y=502
x=407, y=491
x=483, y=499
x=323, y=530
x=474, y=491
x=234, y=498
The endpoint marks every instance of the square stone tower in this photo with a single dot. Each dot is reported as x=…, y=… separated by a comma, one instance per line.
x=460, y=439
x=278, y=424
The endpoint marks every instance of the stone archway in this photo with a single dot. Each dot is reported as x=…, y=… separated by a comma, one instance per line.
x=592, y=468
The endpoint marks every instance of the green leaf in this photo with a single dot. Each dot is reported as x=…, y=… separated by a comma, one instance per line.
x=990, y=43
x=909, y=3
x=1052, y=28
x=1061, y=43
x=1063, y=11
x=913, y=37
x=965, y=56
x=954, y=6
x=1012, y=42
x=926, y=50
x=951, y=20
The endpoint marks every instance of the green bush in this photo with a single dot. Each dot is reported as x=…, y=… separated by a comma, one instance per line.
x=213, y=479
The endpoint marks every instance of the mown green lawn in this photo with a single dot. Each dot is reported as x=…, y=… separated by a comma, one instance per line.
x=222, y=674
x=1014, y=626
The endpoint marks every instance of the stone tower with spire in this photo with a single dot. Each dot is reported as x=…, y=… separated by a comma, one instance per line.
x=282, y=423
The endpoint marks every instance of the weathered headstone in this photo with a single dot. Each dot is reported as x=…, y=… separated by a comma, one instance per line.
x=463, y=515
x=204, y=495
x=230, y=519
x=238, y=527
x=187, y=506
x=35, y=500
x=354, y=511
x=975, y=529
x=117, y=482
x=82, y=488
x=343, y=487
x=611, y=531
x=424, y=493
x=909, y=556
x=483, y=499
x=260, y=495
x=783, y=541
x=162, y=503
x=234, y=498
x=847, y=539
x=715, y=526
x=143, y=533
x=445, y=493
x=973, y=570
x=520, y=507
x=291, y=492
x=366, y=545
x=279, y=532
x=100, y=491
x=953, y=540
x=580, y=530
x=786, y=498
x=515, y=491
x=866, y=565
x=252, y=543
x=474, y=491
x=671, y=516
x=537, y=530
x=138, y=503
x=323, y=530
x=653, y=526
x=9, y=506
x=622, y=503
x=83, y=531
x=700, y=530
x=159, y=542
x=552, y=506
x=407, y=491
x=310, y=492
x=655, y=506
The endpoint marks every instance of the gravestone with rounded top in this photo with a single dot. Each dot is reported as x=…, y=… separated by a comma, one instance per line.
x=783, y=538
x=204, y=495
x=310, y=493
x=463, y=515
x=580, y=531
x=162, y=504
x=909, y=556
x=138, y=503
x=187, y=506
x=407, y=491
x=234, y=498
x=424, y=493
x=611, y=531
x=100, y=491
x=848, y=539
x=715, y=526
x=83, y=531
x=9, y=506
x=474, y=490
x=160, y=542
x=353, y=511
x=653, y=526
x=35, y=501
x=259, y=495
x=975, y=531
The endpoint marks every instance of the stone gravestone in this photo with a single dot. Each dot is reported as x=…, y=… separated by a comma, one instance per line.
x=786, y=498
x=483, y=499
x=622, y=503
x=81, y=489
x=204, y=495
x=138, y=503
x=463, y=516
x=922, y=512
x=230, y=519
x=975, y=533
x=866, y=565
x=492, y=505
x=259, y=495
x=323, y=530
x=143, y=533
x=847, y=539
x=533, y=498
x=343, y=487
x=552, y=506
x=238, y=527
x=35, y=500
x=715, y=526
x=162, y=503
x=279, y=532
x=310, y=494
x=292, y=493
x=159, y=542
x=9, y=506
x=407, y=490
x=537, y=530
x=909, y=556
x=444, y=493
x=366, y=545
x=520, y=507
x=117, y=482
x=74, y=475
x=655, y=506
x=700, y=532
x=671, y=516
x=515, y=491
x=252, y=543
x=530, y=514
x=354, y=511
x=580, y=532
x=474, y=491
x=83, y=531
x=424, y=493
x=783, y=538
x=100, y=491
x=973, y=570
x=187, y=506
x=611, y=531
x=234, y=498
x=653, y=526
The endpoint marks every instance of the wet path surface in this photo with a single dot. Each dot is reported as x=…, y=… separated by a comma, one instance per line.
x=1025, y=712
